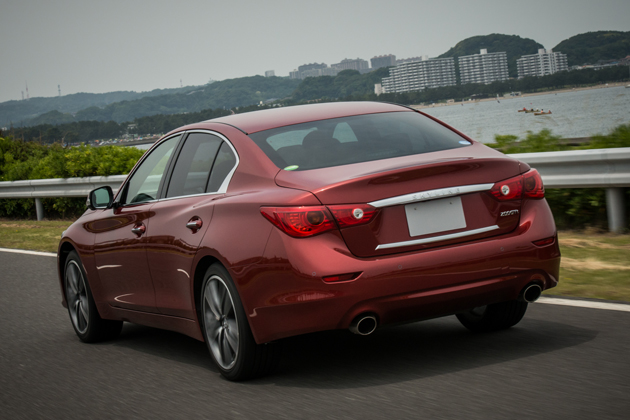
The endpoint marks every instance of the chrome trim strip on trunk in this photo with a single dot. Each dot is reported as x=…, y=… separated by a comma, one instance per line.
x=430, y=195
x=438, y=238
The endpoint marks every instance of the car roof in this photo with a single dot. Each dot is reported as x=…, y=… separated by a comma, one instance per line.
x=252, y=122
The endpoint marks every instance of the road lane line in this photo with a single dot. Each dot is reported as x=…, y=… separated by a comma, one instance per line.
x=23, y=251
x=547, y=300
x=585, y=304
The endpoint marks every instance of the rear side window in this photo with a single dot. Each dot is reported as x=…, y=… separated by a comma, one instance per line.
x=362, y=138
x=191, y=172
x=223, y=166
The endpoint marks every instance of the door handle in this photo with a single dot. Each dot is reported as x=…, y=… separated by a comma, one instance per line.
x=194, y=224
x=139, y=229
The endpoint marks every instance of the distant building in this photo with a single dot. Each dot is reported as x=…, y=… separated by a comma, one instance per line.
x=483, y=67
x=312, y=66
x=383, y=61
x=411, y=59
x=418, y=75
x=378, y=89
x=312, y=70
x=270, y=73
x=349, y=64
x=541, y=64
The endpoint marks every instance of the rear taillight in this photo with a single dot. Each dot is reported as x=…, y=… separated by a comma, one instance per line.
x=533, y=185
x=353, y=214
x=300, y=222
x=528, y=185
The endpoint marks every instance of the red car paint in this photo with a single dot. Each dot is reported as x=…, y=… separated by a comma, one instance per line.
x=284, y=282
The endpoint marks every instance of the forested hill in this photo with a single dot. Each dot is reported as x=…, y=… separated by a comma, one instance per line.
x=17, y=111
x=513, y=45
x=591, y=47
x=227, y=93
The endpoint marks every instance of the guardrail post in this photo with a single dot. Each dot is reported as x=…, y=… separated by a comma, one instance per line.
x=615, y=208
x=39, y=209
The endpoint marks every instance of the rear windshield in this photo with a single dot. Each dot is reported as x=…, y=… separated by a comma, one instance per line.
x=362, y=138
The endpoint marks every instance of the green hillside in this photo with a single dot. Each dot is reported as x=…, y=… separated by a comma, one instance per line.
x=591, y=47
x=346, y=83
x=226, y=94
x=19, y=111
x=513, y=45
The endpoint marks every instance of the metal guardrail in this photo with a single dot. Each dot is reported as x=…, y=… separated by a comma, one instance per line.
x=595, y=168
x=58, y=187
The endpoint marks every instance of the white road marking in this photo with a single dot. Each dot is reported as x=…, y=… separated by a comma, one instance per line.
x=586, y=304
x=22, y=251
x=550, y=301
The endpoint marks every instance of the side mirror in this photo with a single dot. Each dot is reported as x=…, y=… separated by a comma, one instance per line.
x=100, y=198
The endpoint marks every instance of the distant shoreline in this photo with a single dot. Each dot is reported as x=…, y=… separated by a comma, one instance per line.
x=549, y=92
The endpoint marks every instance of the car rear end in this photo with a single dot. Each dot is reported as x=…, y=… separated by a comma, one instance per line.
x=415, y=221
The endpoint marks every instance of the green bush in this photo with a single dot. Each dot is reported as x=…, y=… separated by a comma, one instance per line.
x=21, y=160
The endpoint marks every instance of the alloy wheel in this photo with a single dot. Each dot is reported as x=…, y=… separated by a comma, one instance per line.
x=77, y=298
x=220, y=322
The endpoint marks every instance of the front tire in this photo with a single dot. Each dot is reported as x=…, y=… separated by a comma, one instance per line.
x=495, y=317
x=86, y=321
x=227, y=332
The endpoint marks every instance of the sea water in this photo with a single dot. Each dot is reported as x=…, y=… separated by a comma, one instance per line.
x=577, y=113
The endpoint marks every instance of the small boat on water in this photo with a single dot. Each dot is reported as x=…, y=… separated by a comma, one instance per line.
x=542, y=113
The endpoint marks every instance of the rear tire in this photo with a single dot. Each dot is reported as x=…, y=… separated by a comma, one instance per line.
x=86, y=321
x=227, y=332
x=495, y=317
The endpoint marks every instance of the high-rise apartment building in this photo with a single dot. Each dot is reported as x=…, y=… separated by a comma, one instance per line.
x=541, y=64
x=421, y=74
x=483, y=67
x=383, y=61
x=270, y=73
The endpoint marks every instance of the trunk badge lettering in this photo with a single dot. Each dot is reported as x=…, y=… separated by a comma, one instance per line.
x=509, y=212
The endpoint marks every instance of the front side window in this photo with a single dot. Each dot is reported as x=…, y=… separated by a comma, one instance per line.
x=361, y=138
x=145, y=181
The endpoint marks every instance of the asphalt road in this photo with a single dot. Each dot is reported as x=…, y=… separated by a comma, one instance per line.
x=559, y=362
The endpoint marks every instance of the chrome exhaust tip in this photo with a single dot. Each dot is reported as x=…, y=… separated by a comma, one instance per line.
x=363, y=325
x=531, y=293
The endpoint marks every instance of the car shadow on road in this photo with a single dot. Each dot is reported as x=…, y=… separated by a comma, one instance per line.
x=165, y=344
x=339, y=359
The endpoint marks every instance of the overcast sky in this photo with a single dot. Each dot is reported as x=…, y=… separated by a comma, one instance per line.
x=110, y=45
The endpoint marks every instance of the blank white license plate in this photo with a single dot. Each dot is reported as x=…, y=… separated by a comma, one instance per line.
x=434, y=216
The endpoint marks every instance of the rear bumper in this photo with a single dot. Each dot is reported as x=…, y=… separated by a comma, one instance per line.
x=284, y=293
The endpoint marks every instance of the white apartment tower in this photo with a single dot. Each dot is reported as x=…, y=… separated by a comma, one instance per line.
x=483, y=67
x=421, y=74
x=541, y=64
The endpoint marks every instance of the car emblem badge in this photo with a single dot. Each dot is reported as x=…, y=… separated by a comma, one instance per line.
x=509, y=212
x=505, y=190
x=358, y=214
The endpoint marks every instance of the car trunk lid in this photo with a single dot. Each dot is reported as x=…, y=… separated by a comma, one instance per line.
x=423, y=201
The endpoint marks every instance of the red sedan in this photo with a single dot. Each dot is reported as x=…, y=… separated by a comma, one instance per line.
x=246, y=229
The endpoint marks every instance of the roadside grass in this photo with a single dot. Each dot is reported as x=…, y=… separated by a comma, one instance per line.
x=32, y=235
x=593, y=265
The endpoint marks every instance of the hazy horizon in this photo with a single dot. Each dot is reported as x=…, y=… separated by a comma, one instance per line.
x=137, y=45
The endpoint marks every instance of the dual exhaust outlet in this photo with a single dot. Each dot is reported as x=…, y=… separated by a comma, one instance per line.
x=366, y=324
